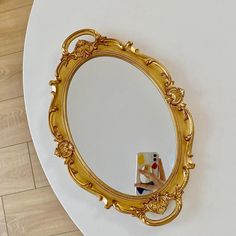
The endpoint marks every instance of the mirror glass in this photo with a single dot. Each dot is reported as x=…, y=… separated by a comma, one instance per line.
x=121, y=125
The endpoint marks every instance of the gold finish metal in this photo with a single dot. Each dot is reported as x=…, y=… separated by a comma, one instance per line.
x=137, y=206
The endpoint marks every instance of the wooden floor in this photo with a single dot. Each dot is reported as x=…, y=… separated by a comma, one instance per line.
x=27, y=204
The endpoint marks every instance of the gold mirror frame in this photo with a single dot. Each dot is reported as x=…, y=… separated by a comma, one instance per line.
x=137, y=206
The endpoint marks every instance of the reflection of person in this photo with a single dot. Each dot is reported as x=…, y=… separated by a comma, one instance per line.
x=156, y=180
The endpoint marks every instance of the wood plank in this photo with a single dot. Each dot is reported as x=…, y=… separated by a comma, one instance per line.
x=13, y=123
x=12, y=30
x=11, y=76
x=3, y=229
x=39, y=176
x=6, y=5
x=36, y=212
x=15, y=169
x=75, y=233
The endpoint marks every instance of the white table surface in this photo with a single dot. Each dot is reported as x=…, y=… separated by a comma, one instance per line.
x=196, y=42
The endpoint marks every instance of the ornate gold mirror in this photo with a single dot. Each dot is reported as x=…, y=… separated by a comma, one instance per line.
x=121, y=126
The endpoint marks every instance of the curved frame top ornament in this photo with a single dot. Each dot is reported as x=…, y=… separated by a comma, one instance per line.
x=137, y=206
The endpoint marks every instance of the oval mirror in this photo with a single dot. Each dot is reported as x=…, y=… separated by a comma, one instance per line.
x=121, y=127
x=115, y=113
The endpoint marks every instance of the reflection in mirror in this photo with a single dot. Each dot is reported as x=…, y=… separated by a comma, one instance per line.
x=121, y=126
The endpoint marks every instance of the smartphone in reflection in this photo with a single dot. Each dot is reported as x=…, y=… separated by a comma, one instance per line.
x=147, y=161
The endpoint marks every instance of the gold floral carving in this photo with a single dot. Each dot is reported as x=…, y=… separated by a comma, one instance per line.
x=158, y=201
x=64, y=149
x=83, y=49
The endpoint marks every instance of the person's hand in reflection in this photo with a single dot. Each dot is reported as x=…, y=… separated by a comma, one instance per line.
x=156, y=182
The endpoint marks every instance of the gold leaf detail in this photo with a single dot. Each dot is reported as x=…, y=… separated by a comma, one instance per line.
x=64, y=149
x=83, y=49
x=174, y=96
x=57, y=134
x=188, y=137
x=158, y=204
x=190, y=164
